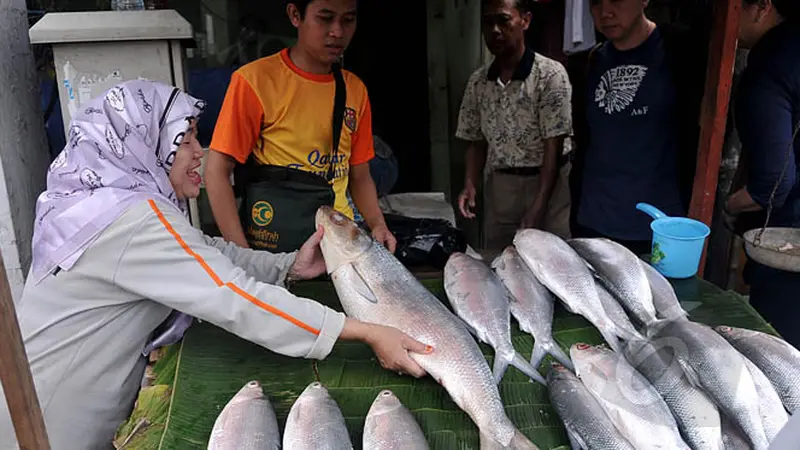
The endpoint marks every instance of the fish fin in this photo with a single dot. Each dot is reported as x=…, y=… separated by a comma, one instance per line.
x=538, y=353
x=500, y=367
x=520, y=363
x=555, y=351
x=690, y=373
x=521, y=442
x=470, y=328
x=654, y=327
x=362, y=288
x=518, y=442
x=575, y=440
x=611, y=339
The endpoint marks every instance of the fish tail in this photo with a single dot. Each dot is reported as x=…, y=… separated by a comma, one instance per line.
x=555, y=351
x=538, y=353
x=518, y=442
x=521, y=442
x=525, y=367
x=611, y=339
x=500, y=366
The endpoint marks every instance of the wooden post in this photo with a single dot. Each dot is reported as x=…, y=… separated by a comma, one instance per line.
x=714, y=113
x=15, y=374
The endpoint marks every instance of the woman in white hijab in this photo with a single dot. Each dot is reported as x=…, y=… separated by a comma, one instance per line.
x=114, y=256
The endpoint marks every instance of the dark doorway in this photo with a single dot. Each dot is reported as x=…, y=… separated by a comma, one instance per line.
x=390, y=54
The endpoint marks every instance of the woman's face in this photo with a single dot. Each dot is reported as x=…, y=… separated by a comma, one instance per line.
x=184, y=176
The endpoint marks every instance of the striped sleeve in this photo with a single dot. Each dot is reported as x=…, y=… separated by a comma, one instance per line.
x=170, y=262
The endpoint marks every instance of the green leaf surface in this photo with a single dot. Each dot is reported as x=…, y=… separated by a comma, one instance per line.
x=210, y=365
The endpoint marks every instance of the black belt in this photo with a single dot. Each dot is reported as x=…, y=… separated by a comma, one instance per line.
x=531, y=171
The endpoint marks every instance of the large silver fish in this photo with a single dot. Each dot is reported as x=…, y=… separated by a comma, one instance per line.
x=247, y=422
x=773, y=416
x=531, y=304
x=631, y=402
x=480, y=299
x=587, y=424
x=391, y=426
x=710, y=362
x=616, y=313
x=373, y=286
x=620, y=271
x=557, y=266
x=697, y=417
x=315, y=422
x=664, y=298
x=779, y=361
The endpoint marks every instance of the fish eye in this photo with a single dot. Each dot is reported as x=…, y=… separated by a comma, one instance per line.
x=338, y=219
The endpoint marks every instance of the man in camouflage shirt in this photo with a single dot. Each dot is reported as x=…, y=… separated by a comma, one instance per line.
x=516, y=116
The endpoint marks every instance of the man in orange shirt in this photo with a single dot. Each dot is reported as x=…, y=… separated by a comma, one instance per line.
x=277, y=112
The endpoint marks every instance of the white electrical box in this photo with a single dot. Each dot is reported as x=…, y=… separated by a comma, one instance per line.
x=94, y=51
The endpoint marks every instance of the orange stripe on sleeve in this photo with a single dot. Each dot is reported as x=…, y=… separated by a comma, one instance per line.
x=218, y=281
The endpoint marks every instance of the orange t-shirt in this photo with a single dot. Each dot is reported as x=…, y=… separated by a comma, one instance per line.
x=282, y=115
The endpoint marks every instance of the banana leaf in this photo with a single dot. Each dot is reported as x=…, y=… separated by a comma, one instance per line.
x=207, y=368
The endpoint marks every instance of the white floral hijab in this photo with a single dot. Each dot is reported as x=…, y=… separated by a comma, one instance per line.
x=120, y=150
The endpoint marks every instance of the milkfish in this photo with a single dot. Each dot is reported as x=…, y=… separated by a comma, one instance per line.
x=478, y=297
x=622, y=274
x=247, y=422
x=531, y=304
x=315, y=422
x=391, y=426
x=711, y=363
x=697, y=416
x=587, y=424
x=631, y=402
x=776, y=358
x=665, y=299
x=559, y=268
x=373, y=286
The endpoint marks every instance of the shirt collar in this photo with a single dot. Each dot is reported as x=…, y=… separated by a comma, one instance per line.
x=521, y=73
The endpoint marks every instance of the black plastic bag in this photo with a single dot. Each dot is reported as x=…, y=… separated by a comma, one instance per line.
x=425, y=242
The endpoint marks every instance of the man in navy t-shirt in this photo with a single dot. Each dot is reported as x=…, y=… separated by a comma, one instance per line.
x=635, y=121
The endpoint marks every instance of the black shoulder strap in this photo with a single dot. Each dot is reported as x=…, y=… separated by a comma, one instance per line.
x=339, y=102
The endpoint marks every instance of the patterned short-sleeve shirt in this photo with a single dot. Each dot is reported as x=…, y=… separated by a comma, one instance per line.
x=515, y=118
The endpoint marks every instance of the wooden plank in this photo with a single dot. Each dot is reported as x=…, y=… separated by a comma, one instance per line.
x=713, y=116
x=15, y=374
x=438, y=98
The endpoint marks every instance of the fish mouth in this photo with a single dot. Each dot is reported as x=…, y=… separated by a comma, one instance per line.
x=581, y=346
x=327, y=215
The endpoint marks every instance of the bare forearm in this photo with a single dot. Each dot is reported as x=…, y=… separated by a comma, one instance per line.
x=548, y=174
x=476, y=160
x=223, y=202
x=365, y=196
x=354, y=330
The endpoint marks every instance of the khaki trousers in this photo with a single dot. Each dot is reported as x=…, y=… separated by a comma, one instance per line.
x=507, y=198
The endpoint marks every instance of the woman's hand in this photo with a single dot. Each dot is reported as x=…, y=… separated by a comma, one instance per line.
x=309, y=263
x=390, y=345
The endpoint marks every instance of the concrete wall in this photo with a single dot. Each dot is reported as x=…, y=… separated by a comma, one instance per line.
x=23, y=147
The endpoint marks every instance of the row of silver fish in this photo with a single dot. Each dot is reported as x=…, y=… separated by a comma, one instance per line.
x=700, y=389
x=315, y=422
